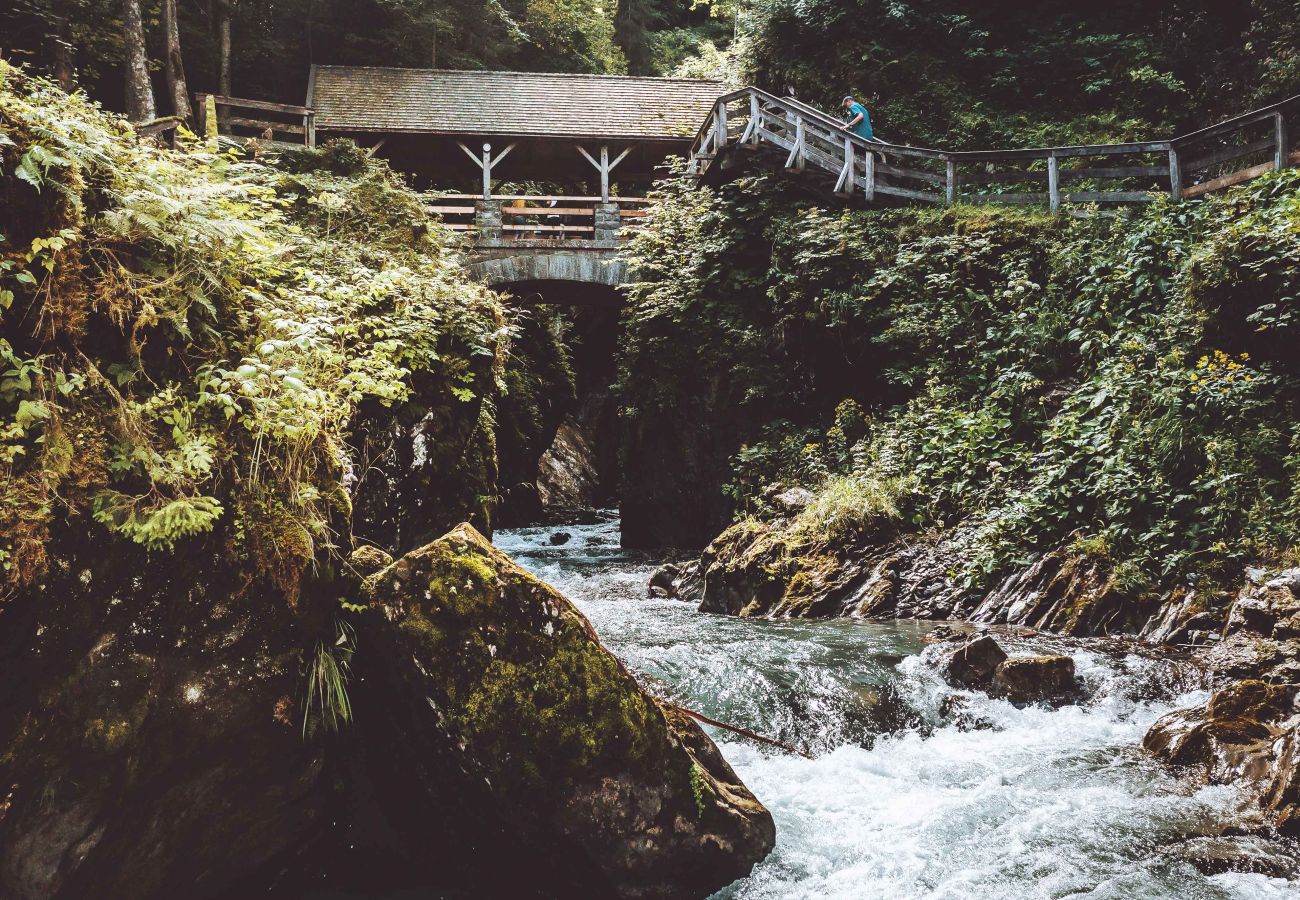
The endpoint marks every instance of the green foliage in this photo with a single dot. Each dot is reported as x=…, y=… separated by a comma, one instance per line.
x=325, y=701
x=1026, y=378
x=952, y=74
x=212, y=326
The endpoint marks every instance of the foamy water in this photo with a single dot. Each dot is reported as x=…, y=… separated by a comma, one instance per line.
x=899, y=801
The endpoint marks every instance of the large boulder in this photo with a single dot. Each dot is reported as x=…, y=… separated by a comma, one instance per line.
x=160, y=738
x=502, y=692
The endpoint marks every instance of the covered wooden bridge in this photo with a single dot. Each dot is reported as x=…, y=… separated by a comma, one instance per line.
x=505, y=150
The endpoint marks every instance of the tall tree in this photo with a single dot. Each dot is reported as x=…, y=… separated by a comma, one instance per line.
x=225, y=12
x=176, y=85
x=139, y=89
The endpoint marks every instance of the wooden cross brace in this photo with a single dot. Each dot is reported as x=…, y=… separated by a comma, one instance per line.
x=604, y=167
x=486, y=163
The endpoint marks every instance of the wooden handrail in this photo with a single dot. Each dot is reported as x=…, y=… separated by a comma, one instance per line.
x=809, y=135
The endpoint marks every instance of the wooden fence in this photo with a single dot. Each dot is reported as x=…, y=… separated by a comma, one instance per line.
x=525, y=217
x=261, y=119
x=1232, y=152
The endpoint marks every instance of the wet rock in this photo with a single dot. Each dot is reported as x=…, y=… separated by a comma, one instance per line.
x=559, y=538
x=509, y=706
x=1217, y=854
x=677, y=582
x=1030, y=679
x=1246, y=734
x=664, y=580
x=973, y=664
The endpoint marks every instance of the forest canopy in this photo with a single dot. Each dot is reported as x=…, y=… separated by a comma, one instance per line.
x=936, y=72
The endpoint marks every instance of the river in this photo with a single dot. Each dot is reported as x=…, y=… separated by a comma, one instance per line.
x=899, y=801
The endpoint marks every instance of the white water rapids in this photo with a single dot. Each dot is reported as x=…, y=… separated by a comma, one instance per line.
x=899, y=801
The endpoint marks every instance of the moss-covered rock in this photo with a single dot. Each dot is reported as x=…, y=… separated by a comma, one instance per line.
x=573, y=758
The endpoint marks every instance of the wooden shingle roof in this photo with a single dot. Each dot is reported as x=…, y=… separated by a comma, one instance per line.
x=518, y=104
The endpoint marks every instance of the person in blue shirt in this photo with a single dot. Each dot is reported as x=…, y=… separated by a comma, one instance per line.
x=859, y=119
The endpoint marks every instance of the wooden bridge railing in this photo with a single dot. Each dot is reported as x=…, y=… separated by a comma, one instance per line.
x=266, y=120
x=519, y=218
x=1191, y=165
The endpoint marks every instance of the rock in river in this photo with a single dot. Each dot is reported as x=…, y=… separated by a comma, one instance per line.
x=154, y=747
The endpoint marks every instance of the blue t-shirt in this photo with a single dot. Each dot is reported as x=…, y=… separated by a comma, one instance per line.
x=863, y=128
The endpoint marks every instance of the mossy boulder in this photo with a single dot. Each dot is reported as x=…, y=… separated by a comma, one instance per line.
x=567, y=755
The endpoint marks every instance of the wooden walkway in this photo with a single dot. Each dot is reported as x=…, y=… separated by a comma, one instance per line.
x=1192, y=165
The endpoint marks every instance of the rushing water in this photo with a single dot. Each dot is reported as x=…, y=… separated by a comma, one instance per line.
x=900, y=801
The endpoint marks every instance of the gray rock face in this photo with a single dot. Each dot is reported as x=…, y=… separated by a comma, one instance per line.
x=567, y=476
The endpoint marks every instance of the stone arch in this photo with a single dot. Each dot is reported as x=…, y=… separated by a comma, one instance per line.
x=541, y=266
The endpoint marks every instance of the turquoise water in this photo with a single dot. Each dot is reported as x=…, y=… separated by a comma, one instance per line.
x=898, y=801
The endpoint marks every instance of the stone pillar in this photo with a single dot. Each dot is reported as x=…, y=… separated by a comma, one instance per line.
x=487, y=219
x=607, y=222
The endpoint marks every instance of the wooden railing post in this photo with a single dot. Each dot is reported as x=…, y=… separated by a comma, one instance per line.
x=795, y=159
x=755, y=119
x=1175, y=175
x=1279, y=133
x=950, y=193
x=1053, y=182
x=720, y=126
x=869, y=191
x=845, y=181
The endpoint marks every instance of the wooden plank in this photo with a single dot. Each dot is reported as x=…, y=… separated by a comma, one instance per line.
x=459, y=226
x=1008, y=198
x=1229, y=153
x=930, y=177
x=1175, y=174
x=545, y=198
x=451, y=210
x=547, y=211
x=265, y=105
x=1110, y=197
x=1072, y=151
x=1004, y=177
x=263, y=125
x=1238, y=122
x=633, y=213
x=565, y=228
x=1082, y=174
x=908, y=193
x=1235, y=178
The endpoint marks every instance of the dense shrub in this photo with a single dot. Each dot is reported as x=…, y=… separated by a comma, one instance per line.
x=186, y=336
x=1128, y=383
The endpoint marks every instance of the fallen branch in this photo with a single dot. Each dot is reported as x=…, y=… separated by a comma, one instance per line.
x=743, y=732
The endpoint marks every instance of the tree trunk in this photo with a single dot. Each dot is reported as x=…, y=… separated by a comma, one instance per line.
x=176, y=85
x=224, y=12
x=61, y=53
x=139, y=90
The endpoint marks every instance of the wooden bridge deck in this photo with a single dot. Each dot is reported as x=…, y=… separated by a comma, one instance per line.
x=1191, y=165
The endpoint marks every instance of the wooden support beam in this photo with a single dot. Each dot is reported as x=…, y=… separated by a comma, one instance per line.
x=1279, y=135
x=796, y=157
x=869, y=180
x=486, y=163
x=1175, y=175
x=604, y=166
x=1053, y=183
x=950, y=182
x=846, y=173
